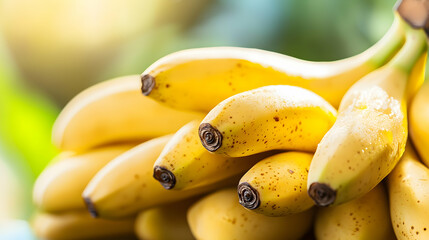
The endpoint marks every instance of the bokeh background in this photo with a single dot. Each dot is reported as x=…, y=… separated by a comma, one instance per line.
x=51, y=50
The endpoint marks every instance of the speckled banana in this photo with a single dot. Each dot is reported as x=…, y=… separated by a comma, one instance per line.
x=59, y=187
x=220, y=216
x=125, y=186
x=370, y=134
x=165, y=222
x=74, y=225
x=114, y=111
x=276, y=186
x=367, y=217
x=267, y=118
x=184, y=163
x=419, y=122
x=199, y=79
x=408, y=186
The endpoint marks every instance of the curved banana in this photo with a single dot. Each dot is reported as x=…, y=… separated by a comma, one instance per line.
x=184, y=163
x=80, y=225
x=408, y=186
x=267, y=118
x=165, y=222
x=125, y=186
x=367, y=217
x=199, y=79
x=114, y=111
x=419, y=122
x=276, y=186
x=370, y=134
x=59, y=187
x=220, y=216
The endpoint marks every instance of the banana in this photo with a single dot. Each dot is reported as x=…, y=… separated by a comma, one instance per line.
x=267, y=118
x=59, y=187
x=165, y=222
x=276, y=186
x=419, y=120
x=184, y=163
x=199, y=79
x=220, y=216
x=80, y=225
x=114, y=111
x=408, y=186
x=370, y=134
x=125, y=186
x=367, y=217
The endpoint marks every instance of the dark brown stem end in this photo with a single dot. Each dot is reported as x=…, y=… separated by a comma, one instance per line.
x=91, y=207
x=415, y=12
x=322, y=194
x=210, y=137
x=165, y=177
x=248, y=197
x=148, y=82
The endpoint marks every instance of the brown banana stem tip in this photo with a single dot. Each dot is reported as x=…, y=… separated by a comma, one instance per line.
x=248, y=197
x=91, y=207
x=165, y=177
x=322, y=194
x=210, y=137
x=148, y=82
x=415, y=12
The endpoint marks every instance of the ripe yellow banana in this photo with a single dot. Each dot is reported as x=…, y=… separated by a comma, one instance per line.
x=408, y=186
x=367, y=217
x=199, y=79
x=267, y=118
x=220, y=216
x=185, y=163
x=370, y=134
x=419, y=122
x=59, y=187
x=165, y=222
x=125, y=186
x=276, y=186
x=80, y=225
x=114, y=111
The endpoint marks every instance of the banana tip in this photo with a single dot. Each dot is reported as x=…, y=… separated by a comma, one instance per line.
x=91, y=207
x=322, y=194
x=210, y=137
x=148, y=82
x=165, y=177
x=248, y=197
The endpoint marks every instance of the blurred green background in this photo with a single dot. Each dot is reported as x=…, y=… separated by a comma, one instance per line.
x=51, y=50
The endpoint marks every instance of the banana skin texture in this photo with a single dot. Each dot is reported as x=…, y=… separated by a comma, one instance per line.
x=114, y=111
x=220, y=216
x=276, y=186
x=199, y=79
x=419, y=122
x=268, y=118
x=184, y=163
x=165, y=222
x=125, y=186
x=74, y=225
x=59, y=187
x=408, y=186
x=367, y=217
x=371, y=130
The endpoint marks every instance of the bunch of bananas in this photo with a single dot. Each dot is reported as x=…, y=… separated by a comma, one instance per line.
x=234, y=143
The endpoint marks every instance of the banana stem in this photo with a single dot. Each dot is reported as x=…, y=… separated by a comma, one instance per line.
x=415, y=46
x=390, y=43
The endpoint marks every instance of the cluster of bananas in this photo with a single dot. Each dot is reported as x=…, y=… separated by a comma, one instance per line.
x=221, y=121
